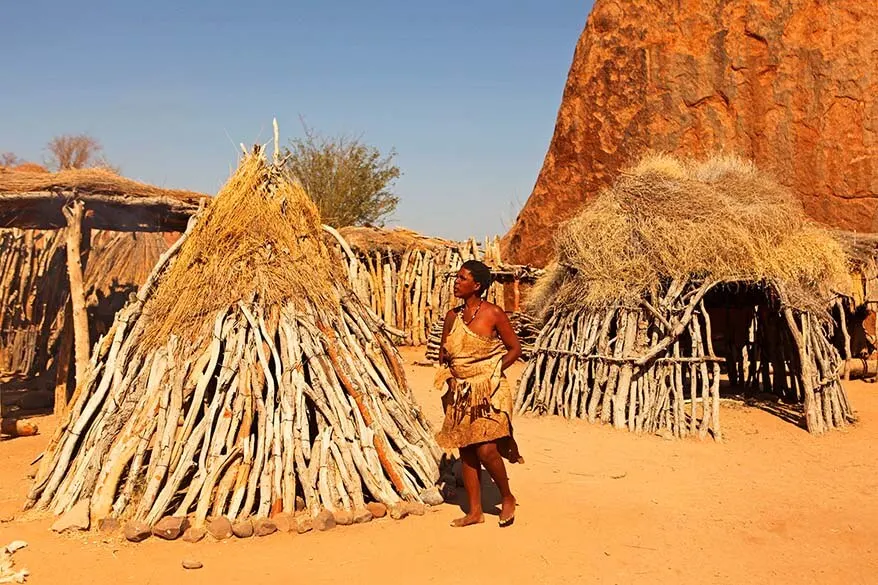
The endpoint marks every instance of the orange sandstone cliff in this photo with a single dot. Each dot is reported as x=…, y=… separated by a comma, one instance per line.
x=791, y=84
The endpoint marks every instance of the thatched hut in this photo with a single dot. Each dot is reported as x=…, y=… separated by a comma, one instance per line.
x=36, y=337
x=51, y=224
x=856, y=307
x=406, y=278
x=675, y=270
x=244, y=375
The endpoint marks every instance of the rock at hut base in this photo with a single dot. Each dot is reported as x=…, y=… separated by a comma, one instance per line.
x=109, y=525
x=192, y=564
x=194, y=534
x=76, y=518
x=362, y=516
x=220, y=528
x=170, y=527
x=264, y=527
x=324, y=521
x=303, y=524
x=243, y=528
x=399, y=511
x=284, y=522
x=343, y=517
x=300, y=504
x=137, y=531
x=377, y=509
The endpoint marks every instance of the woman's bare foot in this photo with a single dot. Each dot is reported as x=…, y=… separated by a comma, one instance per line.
x=507, y=512
x=468, y=520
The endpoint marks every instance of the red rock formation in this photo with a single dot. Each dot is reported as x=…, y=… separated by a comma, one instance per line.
x=792, y=84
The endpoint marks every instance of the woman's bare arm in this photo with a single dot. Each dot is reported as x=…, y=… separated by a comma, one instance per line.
x=507, y=336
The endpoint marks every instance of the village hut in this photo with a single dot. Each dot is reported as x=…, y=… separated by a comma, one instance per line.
x=52, y=299
x=678, y=268
x=405, y=277
x=244, y=375
x=34, y=292
x=855, y=308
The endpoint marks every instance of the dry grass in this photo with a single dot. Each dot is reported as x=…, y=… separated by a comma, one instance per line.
x=121, y=259
x=398, y=240
x=261, y=239
x=671, y=219
x=97, y=181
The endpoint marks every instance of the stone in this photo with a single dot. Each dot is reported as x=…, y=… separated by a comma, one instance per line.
x=343, y=517
x=377, y=509
x=690, y=79
x=243, y=528
x=432, y=496
x=170, y=527
x=284, y=522
x=76, y=518
x=137, y=531
x=324, y=521
x=220, y=528
x=303, y=524
x=192, y=564
x=108, y=525
x=264, y=527
x=194, y=534
x=362, y=516
x=300, y=504
x=399, y=511
x=415, y=508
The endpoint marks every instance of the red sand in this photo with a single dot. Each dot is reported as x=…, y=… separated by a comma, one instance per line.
x=770, y=505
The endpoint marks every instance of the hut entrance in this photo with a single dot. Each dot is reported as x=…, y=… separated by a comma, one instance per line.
x=751, y=335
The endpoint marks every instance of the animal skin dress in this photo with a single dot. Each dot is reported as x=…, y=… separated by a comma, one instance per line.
x=478, y=401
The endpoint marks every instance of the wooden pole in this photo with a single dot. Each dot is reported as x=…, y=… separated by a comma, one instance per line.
x=75, y=269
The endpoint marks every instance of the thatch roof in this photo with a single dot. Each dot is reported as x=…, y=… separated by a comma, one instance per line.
x=34, y=200
x=397, y=240
x=260, y=238
x=663, y=219
x=121, y=260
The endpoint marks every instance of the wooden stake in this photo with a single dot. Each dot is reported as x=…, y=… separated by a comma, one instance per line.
x=75, y=268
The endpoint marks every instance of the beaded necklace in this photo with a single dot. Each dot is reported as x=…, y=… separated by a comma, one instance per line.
x=476, y=312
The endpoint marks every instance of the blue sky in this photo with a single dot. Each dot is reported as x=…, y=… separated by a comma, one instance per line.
x=465, y=92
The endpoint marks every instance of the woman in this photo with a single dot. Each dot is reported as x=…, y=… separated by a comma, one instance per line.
x=478, y=344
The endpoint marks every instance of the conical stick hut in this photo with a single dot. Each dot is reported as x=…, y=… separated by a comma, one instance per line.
x=673, y=271
x=244, y=375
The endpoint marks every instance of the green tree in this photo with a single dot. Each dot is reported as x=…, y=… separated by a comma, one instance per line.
x=349, y=181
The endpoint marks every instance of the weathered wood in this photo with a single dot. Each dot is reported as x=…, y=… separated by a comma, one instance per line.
x=76, y=260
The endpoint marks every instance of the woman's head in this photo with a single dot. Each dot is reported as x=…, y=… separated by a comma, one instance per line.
x=474, y=277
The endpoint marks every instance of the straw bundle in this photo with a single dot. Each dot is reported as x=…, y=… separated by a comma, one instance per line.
x=669, y=219
x=244, y=376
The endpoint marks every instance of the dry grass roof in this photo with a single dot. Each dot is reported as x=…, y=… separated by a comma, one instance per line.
x=95, y=181
x=398, y=240
x=33, y=199
x=666, y=218
x=120, y=260
x=261, y=240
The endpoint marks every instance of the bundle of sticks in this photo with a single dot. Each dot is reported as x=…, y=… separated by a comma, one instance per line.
x=205, y=400
x=653, y=368
x=409, y=288
x=33, y=294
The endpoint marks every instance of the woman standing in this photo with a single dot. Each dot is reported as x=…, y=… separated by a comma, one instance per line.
x=478, y=344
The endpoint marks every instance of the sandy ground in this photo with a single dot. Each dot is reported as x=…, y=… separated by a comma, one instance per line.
x=769, y=505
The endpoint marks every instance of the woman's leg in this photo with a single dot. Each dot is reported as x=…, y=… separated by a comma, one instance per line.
x=471, y=472
x=493, y=462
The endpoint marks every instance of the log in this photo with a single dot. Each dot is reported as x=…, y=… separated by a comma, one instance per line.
x=76, y=259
